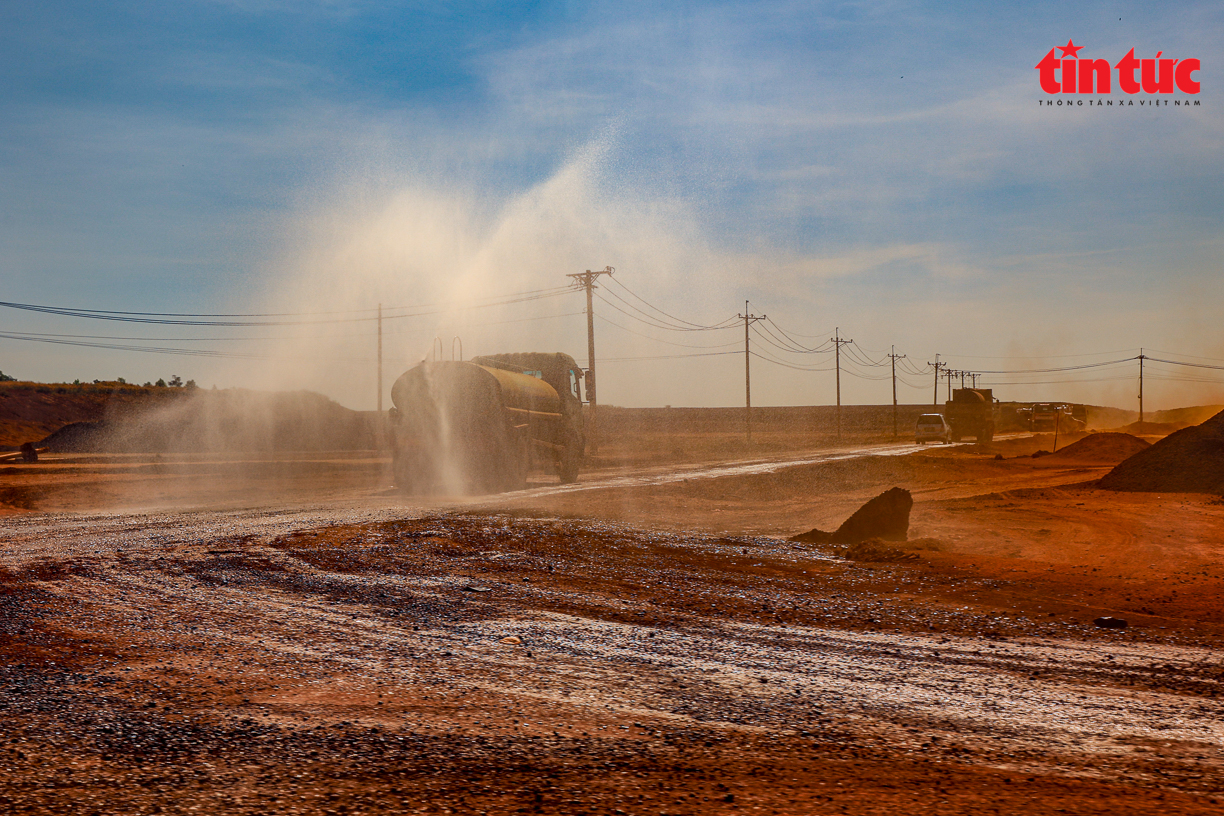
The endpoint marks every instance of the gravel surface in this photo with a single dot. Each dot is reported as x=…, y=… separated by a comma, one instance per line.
x=335, y=659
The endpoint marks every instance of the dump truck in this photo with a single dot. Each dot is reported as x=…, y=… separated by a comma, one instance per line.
x=477, y=426
x=972, y=412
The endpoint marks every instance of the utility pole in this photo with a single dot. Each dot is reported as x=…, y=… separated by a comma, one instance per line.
x=838, y=342
x=938, y=365
x=380, y=379
x=974, y=376
x=748, y=319
x=1141, y=358
x=587, y=281
x=895, y=356
x=963, y=373
x=950, y=374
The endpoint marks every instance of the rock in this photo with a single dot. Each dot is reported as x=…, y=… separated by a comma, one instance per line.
x=1110, y=623
x=885, y=517
x=512, y=640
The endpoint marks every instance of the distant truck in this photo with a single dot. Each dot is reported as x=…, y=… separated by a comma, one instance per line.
x=972, y=412
x=477, y=426
x=1063, y=416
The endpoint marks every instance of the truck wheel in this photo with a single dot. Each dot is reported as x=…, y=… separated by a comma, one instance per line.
x=569, y=463
x=988, y=434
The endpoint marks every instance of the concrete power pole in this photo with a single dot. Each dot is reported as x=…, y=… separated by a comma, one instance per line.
x=895, y=356
x=748, y=319
x=837, y=344
x=380, y=377
x=1141, y=358
x=587, y=281
x=935, y=395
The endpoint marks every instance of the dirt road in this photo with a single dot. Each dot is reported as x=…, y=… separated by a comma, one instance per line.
x=539, y=653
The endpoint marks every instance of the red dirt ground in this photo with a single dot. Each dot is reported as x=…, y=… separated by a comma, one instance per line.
x=155, y=663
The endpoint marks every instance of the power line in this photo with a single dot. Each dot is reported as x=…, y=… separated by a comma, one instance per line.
x=1063, y=368
x=152, y=318
x=659, y=325
x=798, y=334
x=79, y=339
x=1187, y=365
x=784, y=364
x=769, y=338
x=823, y=347
x=660, y=339
x=660, y=311
x=552, y=289
x=1043, y=356
x=669, y=356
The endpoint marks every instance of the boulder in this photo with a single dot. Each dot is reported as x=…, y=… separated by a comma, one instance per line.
x=885, y=517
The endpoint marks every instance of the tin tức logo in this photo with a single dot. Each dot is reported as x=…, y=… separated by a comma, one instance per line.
x=1068, y=73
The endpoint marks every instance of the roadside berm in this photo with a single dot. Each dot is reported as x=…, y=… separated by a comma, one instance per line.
x=1106, y=447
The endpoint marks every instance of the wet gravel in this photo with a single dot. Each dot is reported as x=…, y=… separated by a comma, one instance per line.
x=325, y=661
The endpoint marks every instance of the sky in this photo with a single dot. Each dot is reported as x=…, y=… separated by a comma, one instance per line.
x=885, y=171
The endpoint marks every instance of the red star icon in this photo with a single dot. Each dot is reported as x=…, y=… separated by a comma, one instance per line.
x=1070, y=49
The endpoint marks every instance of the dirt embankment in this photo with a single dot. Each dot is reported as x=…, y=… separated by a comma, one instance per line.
x=31, y=411
x=1188, y=461
x=118, y=418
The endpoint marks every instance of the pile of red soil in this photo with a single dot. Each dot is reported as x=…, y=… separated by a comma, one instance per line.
x=1151, y=428
x=30, y=411
x=78, y=437
x=229, y=420
x=1188, y=461
x=1108, y=448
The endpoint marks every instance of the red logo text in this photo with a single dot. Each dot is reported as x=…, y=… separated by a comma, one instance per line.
x=1070, y=74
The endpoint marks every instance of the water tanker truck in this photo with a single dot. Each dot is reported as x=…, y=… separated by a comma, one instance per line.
x=477, y=426
x=972, y=412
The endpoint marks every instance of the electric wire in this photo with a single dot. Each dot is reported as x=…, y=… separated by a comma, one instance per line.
x=724, y=324
x=275, y=338
x=657, y=325
x=137, y=317
x=656, y=308
x=603, y=360
x=661, y=340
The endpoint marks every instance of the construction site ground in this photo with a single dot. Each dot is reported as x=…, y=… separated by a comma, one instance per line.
x=288, y=634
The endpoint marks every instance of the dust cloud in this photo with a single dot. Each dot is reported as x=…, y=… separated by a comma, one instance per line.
x=458, y=258
x=449, y=259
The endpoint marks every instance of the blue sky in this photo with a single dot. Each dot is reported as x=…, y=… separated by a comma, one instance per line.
x=883, y=168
